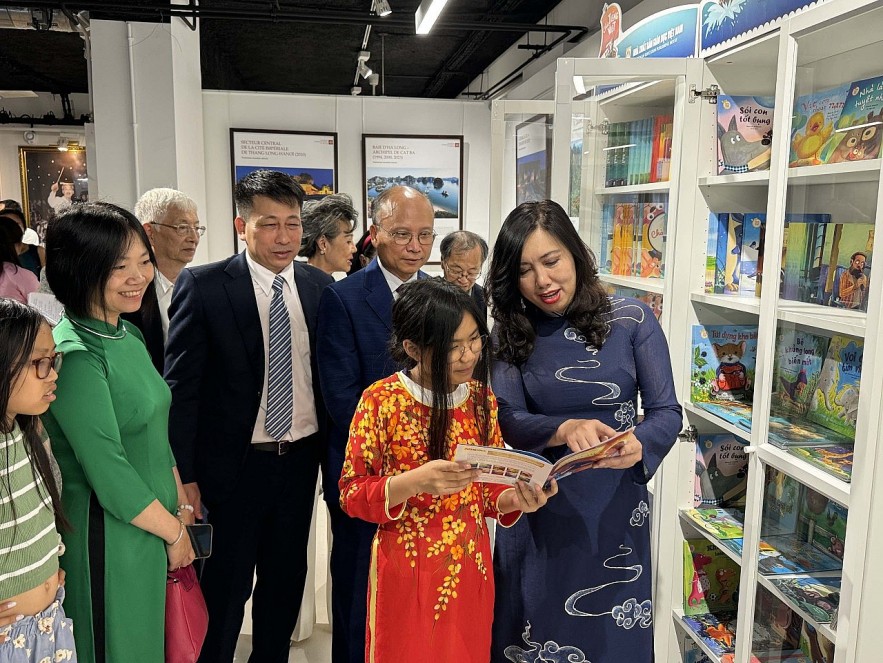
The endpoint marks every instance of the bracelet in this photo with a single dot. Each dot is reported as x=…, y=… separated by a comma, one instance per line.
x=180, y=536
x=184, y=507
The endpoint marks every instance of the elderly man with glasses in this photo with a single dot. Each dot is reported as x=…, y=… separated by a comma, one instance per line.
x=355, y=323
x=462, y=255
x=169, y=217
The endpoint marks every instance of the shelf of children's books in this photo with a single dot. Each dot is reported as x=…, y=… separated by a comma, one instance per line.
x=816, y=478
x=695, y=637
x=723, y=424
x=652, y=187
x=694, y=528
x=732, y=302
x=635, y=282
x=754, y=178
x=836, y=173
x=824, y=629
x=834, y=320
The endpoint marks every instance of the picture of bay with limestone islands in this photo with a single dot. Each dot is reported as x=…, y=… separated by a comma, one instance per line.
x=443, y=192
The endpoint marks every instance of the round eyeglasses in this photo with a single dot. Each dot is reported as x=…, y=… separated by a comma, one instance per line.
x=44, y=365
x=182, y=228
x=403, y=237
x=456, y=273
x=475, y=346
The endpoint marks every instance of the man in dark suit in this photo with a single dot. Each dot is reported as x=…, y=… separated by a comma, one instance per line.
x=462, y=255
x=355, y=322
x=246, y=413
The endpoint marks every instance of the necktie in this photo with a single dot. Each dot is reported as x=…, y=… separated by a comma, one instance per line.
x=280, y=402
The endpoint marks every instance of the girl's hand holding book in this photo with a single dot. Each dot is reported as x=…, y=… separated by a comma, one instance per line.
x=526, y=497
x=439, y=477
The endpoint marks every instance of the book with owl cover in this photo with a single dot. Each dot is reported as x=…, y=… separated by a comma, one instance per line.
x=711, y=578
x=814, y=120
x=859, y=126
x=721, y=470
x=723, y=363
x=745, y=132
x=834, y=401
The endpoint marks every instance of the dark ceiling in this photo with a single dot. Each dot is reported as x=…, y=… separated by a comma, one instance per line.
x=301, y=47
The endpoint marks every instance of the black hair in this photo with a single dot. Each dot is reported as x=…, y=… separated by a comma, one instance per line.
x=515, y=317
x=428, y=313
x=83, y=245
x=10, y=235
x=272, y=184
x=364, y=247
x=10, y=205
x=19, y=326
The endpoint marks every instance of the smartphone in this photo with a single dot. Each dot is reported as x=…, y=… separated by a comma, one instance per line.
x=201, y=539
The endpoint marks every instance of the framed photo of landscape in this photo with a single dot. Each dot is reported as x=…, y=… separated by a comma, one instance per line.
x=431, y=164
x=51, y=181
x=310, y=157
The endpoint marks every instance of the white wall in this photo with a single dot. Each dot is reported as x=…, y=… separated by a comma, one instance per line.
x=350, y=117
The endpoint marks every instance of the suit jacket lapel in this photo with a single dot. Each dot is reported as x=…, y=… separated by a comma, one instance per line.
x=240, y=292
x=379, y=297
x=308, y=291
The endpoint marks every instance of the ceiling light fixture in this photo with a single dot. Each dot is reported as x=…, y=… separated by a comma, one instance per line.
x=362, y=65
x=382, y=8
x=62, y=144
x=427, y=13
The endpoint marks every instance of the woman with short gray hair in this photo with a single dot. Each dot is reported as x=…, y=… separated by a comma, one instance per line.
x=328, y=233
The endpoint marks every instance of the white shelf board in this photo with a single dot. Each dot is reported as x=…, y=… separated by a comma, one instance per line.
x=824, y=629
x=653, y=187
x=636, y=282
x=756, y=178
x=836, y=173
x=679, y=620
x=809, y=475
x=706, y=535
x=835, y=320
x=732, y=302
x=739, y=432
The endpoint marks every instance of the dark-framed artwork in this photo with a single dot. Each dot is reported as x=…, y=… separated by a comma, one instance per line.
x=51, y=181
x=533, y=155
x=310, y=157
x=431, y=164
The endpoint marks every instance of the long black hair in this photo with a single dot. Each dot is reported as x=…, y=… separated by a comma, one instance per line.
x=515, y=316
x=19, y=326
x=428, y=313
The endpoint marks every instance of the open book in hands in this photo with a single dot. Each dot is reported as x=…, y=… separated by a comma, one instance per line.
x=511, y=465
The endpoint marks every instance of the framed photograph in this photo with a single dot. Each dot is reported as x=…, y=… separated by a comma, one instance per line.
x=533, y=145
x=311, y=158
x=51, y=181
x=431, y=164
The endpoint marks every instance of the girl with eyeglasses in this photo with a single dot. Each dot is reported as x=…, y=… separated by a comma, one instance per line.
x=33, y=625
x=430, y=571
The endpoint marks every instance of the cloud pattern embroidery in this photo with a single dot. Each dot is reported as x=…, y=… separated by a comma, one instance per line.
x=640, y=514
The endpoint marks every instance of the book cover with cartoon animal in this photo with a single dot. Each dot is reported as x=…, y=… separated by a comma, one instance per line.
x=753, y=229
x=744, y=132
x=721, y=470
x=711, y=578
x=781, y=505
x=817, y=597
x=824, y=522
x=718, y=632
x=834, y=402
x=787, y=430
x=792, y=555
x=723, y=523
x=723, y=361
x=730, y=250
x=623, y=239
x=860, y=122
x=814, y=119
x=833, y=459
x=652, y=247
x=796, y=367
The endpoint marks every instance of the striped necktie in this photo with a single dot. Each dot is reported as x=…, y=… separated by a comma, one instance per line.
x=280, y=401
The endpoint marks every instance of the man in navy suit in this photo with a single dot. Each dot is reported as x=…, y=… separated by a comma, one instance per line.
x=247, y=421
x=355, y=323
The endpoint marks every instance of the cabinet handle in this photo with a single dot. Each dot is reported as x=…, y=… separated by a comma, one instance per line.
x=749, y=448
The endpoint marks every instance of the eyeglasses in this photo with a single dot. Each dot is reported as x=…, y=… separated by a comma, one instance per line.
x=456, y=273
x=403, y=237
x=45, y=364
x=182, y=228
x=475, y=346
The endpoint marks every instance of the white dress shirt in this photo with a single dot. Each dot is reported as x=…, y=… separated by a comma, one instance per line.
x=392, y=280
x=303, y=420
x=164, y=289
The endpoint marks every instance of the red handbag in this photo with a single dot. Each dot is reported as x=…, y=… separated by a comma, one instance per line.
x=186, y=616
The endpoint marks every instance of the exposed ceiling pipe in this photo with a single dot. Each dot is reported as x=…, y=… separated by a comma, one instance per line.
x=22, y=18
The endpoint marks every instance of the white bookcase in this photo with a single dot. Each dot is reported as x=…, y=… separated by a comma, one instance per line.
x=833, y=43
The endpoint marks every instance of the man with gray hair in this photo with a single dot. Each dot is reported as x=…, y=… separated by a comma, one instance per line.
x=170, y=221
x=462, y=255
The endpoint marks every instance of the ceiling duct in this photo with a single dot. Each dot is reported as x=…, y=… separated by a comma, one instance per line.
x=23, y=18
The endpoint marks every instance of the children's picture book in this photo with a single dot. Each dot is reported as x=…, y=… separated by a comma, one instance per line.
x=786, y=430
x=781, y=506
x=817, y=597
x=815, y=646
x=623, y=239
x=511, y=465
x=828, y=263
x=711, y=253
x=835, y=459
x=791, y=555
x=776, y=628
x=796, y=368
x=721, y=470
x=834, y=401
x=723, y=362
x=745, y=133
x=729, y=251
x=735, y=412
x=737, y=545
x=652, y=252
x=753, y=230
x=720, y=523
x=814, y=120
x=605, y=248
x=711, y=578
x=860, y=122
x=824, y=522
x=718, y=631
x=693, y=653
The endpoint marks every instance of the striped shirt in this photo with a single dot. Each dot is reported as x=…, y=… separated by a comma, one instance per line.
x=29, y=542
